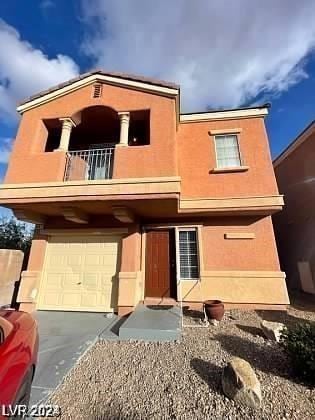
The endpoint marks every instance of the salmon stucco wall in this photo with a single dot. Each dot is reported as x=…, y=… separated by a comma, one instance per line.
x=295, y=224
x=156, y=159
x=196, y=157
x=240, y=264
x=130, y=279
x=43, y=167
x=259, y=253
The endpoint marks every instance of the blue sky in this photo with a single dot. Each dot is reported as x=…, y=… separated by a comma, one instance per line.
x=223, y=54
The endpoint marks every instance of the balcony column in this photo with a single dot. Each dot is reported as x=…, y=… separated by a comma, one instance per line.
x=67, y=124
x=124, y=128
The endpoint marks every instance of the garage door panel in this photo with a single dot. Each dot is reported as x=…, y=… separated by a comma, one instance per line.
x=50, y=298
x=57, y=260
x=80, y=273
x=54, y=280
x=75, y=260
x=89, y=300
x=70, y=299
x=71, y=281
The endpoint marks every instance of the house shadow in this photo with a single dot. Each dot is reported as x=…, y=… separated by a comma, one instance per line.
x=269, y=359
x=299, y=301
x=117, y=324
x=192, y=313
x=255, y=331
x=282, y=316
x=209, y=373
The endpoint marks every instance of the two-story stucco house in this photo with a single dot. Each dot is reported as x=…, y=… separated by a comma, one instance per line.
x=295, y=225
x=135, y=201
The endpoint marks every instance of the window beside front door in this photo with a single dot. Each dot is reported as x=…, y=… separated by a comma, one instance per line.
x=188, y=254
x=227, y=151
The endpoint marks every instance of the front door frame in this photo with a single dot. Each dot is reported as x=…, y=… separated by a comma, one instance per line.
x=170, y=286
x=177, y=226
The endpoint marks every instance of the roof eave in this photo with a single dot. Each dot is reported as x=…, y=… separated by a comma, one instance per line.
x=294, y=144
x=90, y=78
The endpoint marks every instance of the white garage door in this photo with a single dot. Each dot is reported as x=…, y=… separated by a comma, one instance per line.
x=80, y=274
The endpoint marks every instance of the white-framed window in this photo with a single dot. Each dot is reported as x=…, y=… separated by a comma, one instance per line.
x=188, y=254
x=227, y=151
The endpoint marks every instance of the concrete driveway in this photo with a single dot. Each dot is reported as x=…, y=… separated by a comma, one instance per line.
x=63, y=338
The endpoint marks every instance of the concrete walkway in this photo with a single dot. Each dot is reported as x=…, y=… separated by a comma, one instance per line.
x=63, y=338
x=153, y=323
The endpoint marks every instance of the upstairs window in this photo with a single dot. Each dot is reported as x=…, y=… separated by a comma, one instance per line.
x=97, y=90
x=188, y=254
x=227, y=151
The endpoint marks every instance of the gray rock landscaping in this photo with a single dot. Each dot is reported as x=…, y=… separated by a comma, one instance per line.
x=183, y=380
x=272, y=330
x=240, y=383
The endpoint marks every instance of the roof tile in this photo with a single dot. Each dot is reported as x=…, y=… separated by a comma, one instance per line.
x=103, y=73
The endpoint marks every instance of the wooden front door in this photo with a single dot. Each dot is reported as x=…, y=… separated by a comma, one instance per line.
x=158, y=264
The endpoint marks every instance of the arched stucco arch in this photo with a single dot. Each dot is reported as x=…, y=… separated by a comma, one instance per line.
x=98, y=124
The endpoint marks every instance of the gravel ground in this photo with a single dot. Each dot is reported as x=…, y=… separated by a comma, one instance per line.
x=133, y=380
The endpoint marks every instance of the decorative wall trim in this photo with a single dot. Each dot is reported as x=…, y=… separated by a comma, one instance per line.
x=114, y=181
x=231, y=169
x=239, y=235
x=267, y=274
x=187, y=205
x=225, y=131
x=68, y=191
x=224, y=115
x=83, y=231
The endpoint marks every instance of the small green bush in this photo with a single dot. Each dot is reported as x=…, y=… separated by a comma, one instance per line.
x=299, y=344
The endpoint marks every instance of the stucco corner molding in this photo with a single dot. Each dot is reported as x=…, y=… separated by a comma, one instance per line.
x=231, y=204
x=29, y=286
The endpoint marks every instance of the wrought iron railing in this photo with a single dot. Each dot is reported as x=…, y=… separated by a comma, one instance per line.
x=89, y=164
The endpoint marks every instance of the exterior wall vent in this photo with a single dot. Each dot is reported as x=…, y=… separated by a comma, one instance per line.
x=97, y=90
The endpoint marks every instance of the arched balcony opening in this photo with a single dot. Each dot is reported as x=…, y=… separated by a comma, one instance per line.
x=92, y=144
x=89, y=138
x=99, y=126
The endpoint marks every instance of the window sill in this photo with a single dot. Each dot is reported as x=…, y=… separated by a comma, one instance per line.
x=234, y=169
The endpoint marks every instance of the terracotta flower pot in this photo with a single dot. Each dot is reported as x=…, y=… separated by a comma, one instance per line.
x=214, y=309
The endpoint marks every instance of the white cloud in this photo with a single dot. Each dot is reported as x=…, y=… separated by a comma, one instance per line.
x=223, y=53
x=25, y=70
x=5, y=149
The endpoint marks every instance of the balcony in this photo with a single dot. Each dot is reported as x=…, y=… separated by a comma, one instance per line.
x=90, y=164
